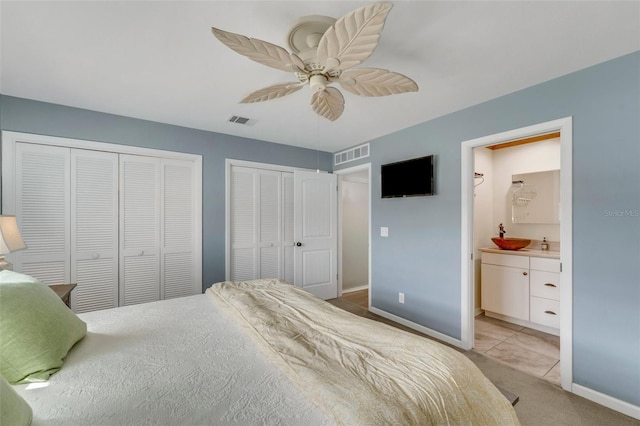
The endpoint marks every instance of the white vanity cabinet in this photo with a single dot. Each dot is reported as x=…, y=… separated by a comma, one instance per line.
x=505, y=285
x=544, y=284
x=522, y=289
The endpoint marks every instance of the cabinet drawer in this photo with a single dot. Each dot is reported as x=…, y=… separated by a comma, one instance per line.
x=544, y=264
x=545, y=284
x=510, y=260
x=545, y=312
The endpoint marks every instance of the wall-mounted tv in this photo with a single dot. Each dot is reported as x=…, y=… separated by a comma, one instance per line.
x=408, y=178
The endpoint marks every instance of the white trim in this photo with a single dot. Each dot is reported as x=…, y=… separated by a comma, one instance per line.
x=417, y=327
x=13, y=137
x=264, y=166
x=354, y=289
x=608, y=401
x=366, y=166
x=565, y=126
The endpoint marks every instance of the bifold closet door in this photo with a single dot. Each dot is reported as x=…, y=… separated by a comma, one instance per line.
x=178, y=262
x=42, y=206
x=287, y=227
x=94, y=230
x=261, y=236
x=139, y=229
x=125, y=228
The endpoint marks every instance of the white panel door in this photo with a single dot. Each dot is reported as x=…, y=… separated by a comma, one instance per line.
x=42, y=208
x=178, y=264
x=139, y=229
x=315, y=224
x=94, y=230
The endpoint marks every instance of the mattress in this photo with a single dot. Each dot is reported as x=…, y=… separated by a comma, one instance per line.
x=173, y=362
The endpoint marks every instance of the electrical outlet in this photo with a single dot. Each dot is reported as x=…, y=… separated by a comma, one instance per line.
x=401, y=297
x=384, y=231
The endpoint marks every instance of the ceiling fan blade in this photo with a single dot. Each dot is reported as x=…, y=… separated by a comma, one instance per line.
x=272, y=92
x=376, y=82
x=353, y=37
x=260, y=51
x=328, y=103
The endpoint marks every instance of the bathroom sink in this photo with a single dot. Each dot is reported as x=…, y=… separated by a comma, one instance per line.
x=511, y=243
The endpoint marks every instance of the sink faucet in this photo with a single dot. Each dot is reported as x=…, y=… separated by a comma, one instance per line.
x=501, y=231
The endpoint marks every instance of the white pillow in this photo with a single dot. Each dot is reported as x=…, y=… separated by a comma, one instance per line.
x=7, y=277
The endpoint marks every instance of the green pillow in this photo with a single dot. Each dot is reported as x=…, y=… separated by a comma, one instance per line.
x=14, y=410
x=37, y=331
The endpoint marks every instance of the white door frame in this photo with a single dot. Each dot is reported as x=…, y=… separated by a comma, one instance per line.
x=565, y=127
x=347, y=171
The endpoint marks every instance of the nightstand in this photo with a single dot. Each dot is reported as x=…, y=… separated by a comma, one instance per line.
x=64, y=292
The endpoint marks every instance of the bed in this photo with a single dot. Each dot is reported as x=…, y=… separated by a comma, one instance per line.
x=259, y=352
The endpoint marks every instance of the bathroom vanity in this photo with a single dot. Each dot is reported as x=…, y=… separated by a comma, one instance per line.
x=522, y=287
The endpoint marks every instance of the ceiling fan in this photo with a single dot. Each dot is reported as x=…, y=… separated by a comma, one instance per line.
x=323, y=51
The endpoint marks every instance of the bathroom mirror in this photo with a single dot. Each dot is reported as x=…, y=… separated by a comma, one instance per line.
x=535, y=197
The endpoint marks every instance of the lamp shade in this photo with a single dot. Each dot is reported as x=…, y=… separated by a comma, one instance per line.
x=10, y=238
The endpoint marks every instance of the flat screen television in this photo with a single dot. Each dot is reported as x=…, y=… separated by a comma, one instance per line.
x=408, y=178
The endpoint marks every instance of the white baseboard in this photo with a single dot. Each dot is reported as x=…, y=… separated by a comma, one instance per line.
x=608, y=401
x=352, y=289
x=429, y=332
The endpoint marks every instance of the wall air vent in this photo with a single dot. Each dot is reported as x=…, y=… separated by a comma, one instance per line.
x=242, y=120
x=351, y=154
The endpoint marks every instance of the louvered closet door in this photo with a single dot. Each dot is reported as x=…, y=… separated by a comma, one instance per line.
x=287, y=226
x=269, y=217
x=261, y=217
x=244, y=224
x=178, y=274
x=42, y=207
x=94, y=231
x=139, y=229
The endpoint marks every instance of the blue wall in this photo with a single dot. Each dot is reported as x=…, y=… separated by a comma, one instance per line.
x=22, y=115
x=421, y=256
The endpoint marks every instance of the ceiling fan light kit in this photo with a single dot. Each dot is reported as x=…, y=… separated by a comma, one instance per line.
x=323, y=50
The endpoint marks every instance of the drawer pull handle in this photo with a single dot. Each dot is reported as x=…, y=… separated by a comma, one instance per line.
x=550, y=312
x=550, y=285
x=525, y=274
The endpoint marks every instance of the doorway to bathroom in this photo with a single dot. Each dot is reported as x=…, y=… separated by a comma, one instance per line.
x=496, y=170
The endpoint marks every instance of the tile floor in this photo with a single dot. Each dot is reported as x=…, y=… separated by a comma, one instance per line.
x=527, y=350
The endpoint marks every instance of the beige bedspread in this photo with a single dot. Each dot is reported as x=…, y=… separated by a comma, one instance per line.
x=362, y=372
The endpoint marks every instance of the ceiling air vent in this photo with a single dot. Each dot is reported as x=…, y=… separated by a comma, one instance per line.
x=351, y=154
x=242, y=120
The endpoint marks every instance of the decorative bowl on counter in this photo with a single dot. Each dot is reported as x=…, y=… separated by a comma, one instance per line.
x=511, y=243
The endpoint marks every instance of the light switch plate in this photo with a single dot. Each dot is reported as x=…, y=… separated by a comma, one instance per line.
x=384, y=231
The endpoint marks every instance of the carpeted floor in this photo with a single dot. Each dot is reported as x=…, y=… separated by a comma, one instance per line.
x=541, y=403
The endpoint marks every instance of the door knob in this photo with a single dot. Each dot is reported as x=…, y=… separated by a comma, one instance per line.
x=298, y=244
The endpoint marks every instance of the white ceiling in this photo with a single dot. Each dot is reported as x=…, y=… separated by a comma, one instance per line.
x=157, y=60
